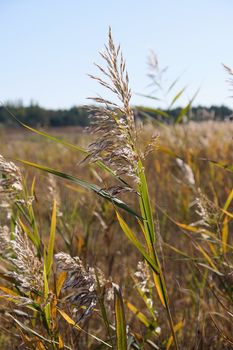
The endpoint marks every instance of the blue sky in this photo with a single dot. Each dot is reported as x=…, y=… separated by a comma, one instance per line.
x=48, y=47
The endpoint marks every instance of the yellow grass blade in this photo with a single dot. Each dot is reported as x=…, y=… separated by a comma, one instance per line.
x=8, y=291
x=41, y=346
x=177, y=327
x=187, y=227
x=228, y=201
x=69, y=320
x=213, y=249
x=207, y=257
x=61, y=344
x=225, y=233
x=228, y=213
x=195, y=229
x=60, y=281
x=141, y=317
x=160, y=290
x=138, y=314
x=76, y=326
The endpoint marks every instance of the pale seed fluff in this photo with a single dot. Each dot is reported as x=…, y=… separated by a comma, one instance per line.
x=4, y=240
x=187, y=172
x=207, y=210
x=113, y=123
x=24, y=266
x=54, y=193
x=80, y=286
x=143, y=281
x=230, y=73
x=10, y=179
x=28, y=269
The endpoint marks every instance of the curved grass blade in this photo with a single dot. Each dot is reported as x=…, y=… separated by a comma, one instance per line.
x=225, y=166
x=185, y=110
x=207, y=257
x=142, y=318
x=70, y=321
x=99, y=191
x=154, y=111
x=147, y=115
x=183, y=113
x=133, y=239
x=177, y=327
x=149, y=96
x=32, y=331
x=44, y=134
x=173, y=84
x=178, y=95
x=32, y=236
x=100, y=164
x=228, y=201
x=60, y=281
x=227, y=213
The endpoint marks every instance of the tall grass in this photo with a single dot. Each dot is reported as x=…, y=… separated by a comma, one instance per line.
x=133, y=249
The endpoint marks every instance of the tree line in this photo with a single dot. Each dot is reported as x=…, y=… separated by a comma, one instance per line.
x=34, y=115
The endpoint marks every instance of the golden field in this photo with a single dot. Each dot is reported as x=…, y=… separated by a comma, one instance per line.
x=188, y=195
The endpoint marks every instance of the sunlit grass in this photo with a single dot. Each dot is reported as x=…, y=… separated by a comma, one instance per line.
x=111, y=240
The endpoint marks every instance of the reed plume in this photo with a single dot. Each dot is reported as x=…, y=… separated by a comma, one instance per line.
x=10, y=179
x=80, y=285
x=230, y=78
x=114, y=123
x=28, y=269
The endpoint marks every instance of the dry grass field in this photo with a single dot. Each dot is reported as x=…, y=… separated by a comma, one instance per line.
x=118, y=238
x=187, y=198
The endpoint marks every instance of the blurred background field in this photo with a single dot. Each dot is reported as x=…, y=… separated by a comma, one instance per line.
x=86, y=224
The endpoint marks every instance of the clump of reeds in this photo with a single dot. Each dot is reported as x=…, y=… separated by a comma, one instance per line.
x=117, y=147
x=55, y=300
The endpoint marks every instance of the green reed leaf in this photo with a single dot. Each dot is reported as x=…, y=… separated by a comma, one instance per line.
x=49, y=259
x=133, y=239
x=120, y=320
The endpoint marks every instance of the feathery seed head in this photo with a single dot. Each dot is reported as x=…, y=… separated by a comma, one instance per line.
x=207, y=210
x=10, y=179
x=143, y=277
x=28, y=268
x=230, y=73
x=80, y=285
x=114, y=124
x=4, y=240
x=187, y=172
